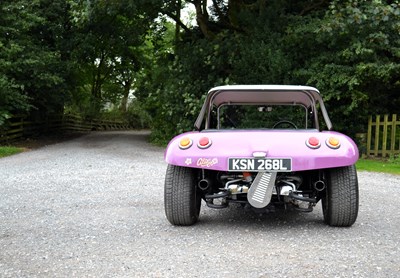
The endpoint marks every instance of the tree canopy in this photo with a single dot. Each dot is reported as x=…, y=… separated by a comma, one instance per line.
x=86, y=56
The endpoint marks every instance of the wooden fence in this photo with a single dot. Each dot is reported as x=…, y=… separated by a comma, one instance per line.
x=383, y=138
x=18, y=127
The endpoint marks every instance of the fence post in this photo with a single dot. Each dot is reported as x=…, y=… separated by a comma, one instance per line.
x=377, y=126
x=393, y=134
x=369, y=135
x=384, y=141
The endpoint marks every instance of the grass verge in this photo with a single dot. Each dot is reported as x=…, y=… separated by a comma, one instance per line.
x=390, y=166
x=7, y=151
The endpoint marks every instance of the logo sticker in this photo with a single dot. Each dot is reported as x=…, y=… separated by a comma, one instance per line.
x=207, y=162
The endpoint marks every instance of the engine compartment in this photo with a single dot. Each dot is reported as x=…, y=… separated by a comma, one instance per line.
x=294, y=190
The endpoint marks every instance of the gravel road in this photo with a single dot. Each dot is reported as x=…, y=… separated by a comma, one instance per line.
x=93, y=207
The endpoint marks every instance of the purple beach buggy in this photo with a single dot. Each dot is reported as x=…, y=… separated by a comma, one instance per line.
x=264, y=147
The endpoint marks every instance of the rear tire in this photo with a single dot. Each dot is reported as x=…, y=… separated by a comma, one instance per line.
x=181, y=199
x=340, y=204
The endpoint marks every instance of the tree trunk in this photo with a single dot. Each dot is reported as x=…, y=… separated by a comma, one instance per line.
x=178, y=15
x=202, y=18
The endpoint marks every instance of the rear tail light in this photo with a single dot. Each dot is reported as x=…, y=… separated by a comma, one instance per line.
x=204, y=143
x=333, y=142
x=185, y=143
x=313, y=143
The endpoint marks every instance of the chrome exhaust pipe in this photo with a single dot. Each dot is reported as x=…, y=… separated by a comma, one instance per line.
x=204, y=184
x=319, y=185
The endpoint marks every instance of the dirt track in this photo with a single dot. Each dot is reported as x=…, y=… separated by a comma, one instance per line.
x=93, y=207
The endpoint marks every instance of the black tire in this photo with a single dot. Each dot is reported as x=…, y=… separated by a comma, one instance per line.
x=340, y=204
x=181, y=199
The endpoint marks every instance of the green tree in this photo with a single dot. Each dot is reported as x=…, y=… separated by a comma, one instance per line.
x=109, y=36
x=235, y=42
x=34, y=66
x=347, y=49
x=354, y=59
x=83, y=54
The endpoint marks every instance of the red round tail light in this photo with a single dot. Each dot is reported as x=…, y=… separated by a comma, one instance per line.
x=204, y=143
x=313, y=143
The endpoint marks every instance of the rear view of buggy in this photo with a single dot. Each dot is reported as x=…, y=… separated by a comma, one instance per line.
x=265, y=148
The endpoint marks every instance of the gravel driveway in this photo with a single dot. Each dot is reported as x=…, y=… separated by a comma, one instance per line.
x=93, y=207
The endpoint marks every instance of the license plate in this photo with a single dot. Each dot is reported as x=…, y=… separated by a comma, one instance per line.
x=260, y=164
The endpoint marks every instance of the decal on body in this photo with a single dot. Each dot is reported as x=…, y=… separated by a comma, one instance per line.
x=207, y=162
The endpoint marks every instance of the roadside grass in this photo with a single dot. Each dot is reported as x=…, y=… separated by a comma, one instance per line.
x=32, y=143
x=8, y=150
x=390, y=166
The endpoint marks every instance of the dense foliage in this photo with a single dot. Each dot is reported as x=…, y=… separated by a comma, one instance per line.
x=347, y=49
x=33, y=68
x=96, y=55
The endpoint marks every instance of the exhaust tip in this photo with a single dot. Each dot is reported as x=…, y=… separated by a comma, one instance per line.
x=319, y=185
x=204, y=184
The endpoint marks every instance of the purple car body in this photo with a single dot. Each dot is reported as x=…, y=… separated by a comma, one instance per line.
x=275, y=143
x=292, y=165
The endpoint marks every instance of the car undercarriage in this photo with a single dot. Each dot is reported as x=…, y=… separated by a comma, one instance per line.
x=263, y=192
